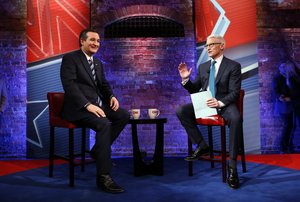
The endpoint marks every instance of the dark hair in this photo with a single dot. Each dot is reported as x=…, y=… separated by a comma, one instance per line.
x=83, y=34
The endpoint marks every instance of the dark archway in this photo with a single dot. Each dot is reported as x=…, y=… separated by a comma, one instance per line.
x=144, y=26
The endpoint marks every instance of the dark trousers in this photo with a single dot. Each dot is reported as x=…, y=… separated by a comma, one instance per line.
x=230, y=113
x=107, y=130
x=289, y=121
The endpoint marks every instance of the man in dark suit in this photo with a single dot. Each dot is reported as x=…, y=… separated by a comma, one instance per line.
x=227, y=88
x=286, y=92
x=89, y=101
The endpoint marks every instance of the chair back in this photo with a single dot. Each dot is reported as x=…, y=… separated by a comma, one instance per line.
x=55, y=101
x=240, y=102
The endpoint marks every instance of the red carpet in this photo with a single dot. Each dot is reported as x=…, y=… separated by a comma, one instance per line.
x=291, y=161
x=13, y=166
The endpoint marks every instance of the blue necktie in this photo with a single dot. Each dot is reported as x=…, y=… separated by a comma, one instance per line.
x=212, y=78
x=99, y=101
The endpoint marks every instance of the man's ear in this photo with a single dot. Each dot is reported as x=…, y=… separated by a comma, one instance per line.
x=222, y=47
x=81, y=41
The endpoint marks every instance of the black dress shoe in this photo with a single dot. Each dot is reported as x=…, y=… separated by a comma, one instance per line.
x=200, y=151
x=233, y=178
x=107, y=184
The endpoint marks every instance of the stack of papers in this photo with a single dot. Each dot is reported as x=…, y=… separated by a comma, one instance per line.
x=200, y=107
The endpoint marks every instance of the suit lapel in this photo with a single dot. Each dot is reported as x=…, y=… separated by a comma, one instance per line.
x=98, y=67
x=206, y=77
x=86, y=66
x=221, y=70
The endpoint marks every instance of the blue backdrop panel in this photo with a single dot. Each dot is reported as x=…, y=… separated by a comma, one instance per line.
x=43, y=78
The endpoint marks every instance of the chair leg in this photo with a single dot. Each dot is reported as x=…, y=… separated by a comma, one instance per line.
x=242, y=152
x=83, y=135
x=190, y=163
x=51, y=151
x=211, y=146
x=223, y=148
x=71, y=156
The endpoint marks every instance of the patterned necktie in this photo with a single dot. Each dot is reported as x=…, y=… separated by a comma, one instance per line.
x=212, y=78
x=92, y=68
x=99, y=101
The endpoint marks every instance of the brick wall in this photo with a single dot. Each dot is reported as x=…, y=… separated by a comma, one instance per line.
x=278, y=37
x=13, y=71
x=143, y=71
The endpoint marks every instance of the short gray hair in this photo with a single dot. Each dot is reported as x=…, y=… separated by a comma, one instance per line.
x=216, y=36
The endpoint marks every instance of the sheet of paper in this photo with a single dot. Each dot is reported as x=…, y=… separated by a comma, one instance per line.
x=199, y=102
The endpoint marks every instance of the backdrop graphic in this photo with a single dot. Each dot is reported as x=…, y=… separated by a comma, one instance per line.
x=236, y=21
x=53, y=28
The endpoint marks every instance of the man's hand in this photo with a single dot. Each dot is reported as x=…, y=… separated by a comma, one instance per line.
x=183, y=71
x=212, y=102
x=96, y=110
x=114, y=104
x=283, y=98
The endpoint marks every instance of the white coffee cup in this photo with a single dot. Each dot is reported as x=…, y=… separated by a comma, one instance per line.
x=153, y=113
x=135, y=113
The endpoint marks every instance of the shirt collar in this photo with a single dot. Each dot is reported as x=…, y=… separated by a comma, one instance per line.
x=87, y=57
x=218, y=60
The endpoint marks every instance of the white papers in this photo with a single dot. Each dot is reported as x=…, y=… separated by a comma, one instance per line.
x=200, y=107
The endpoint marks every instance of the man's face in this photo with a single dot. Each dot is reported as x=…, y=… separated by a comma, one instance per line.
x=91, y=45
x=214, y=47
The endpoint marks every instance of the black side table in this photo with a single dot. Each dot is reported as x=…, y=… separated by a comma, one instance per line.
x=156, y=165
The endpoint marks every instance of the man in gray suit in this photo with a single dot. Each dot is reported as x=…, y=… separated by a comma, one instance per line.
x=227, y=88
x=3, y=96
x=89, y=101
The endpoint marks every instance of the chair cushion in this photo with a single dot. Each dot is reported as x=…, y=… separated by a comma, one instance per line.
x=215, y=120
x=59, y=122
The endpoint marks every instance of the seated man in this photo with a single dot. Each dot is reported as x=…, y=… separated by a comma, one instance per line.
x=225, y=89
x=90, y=102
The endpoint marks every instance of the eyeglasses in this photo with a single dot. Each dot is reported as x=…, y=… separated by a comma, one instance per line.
x=211, y=45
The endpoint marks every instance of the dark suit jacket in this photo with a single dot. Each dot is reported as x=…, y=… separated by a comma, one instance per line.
x=279, y=88
x=228, y=80
x=79, y=86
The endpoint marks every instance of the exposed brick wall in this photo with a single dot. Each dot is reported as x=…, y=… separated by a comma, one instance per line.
x=13, y=71
x=143, y=71
x=148, y=67
x=278, y=38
